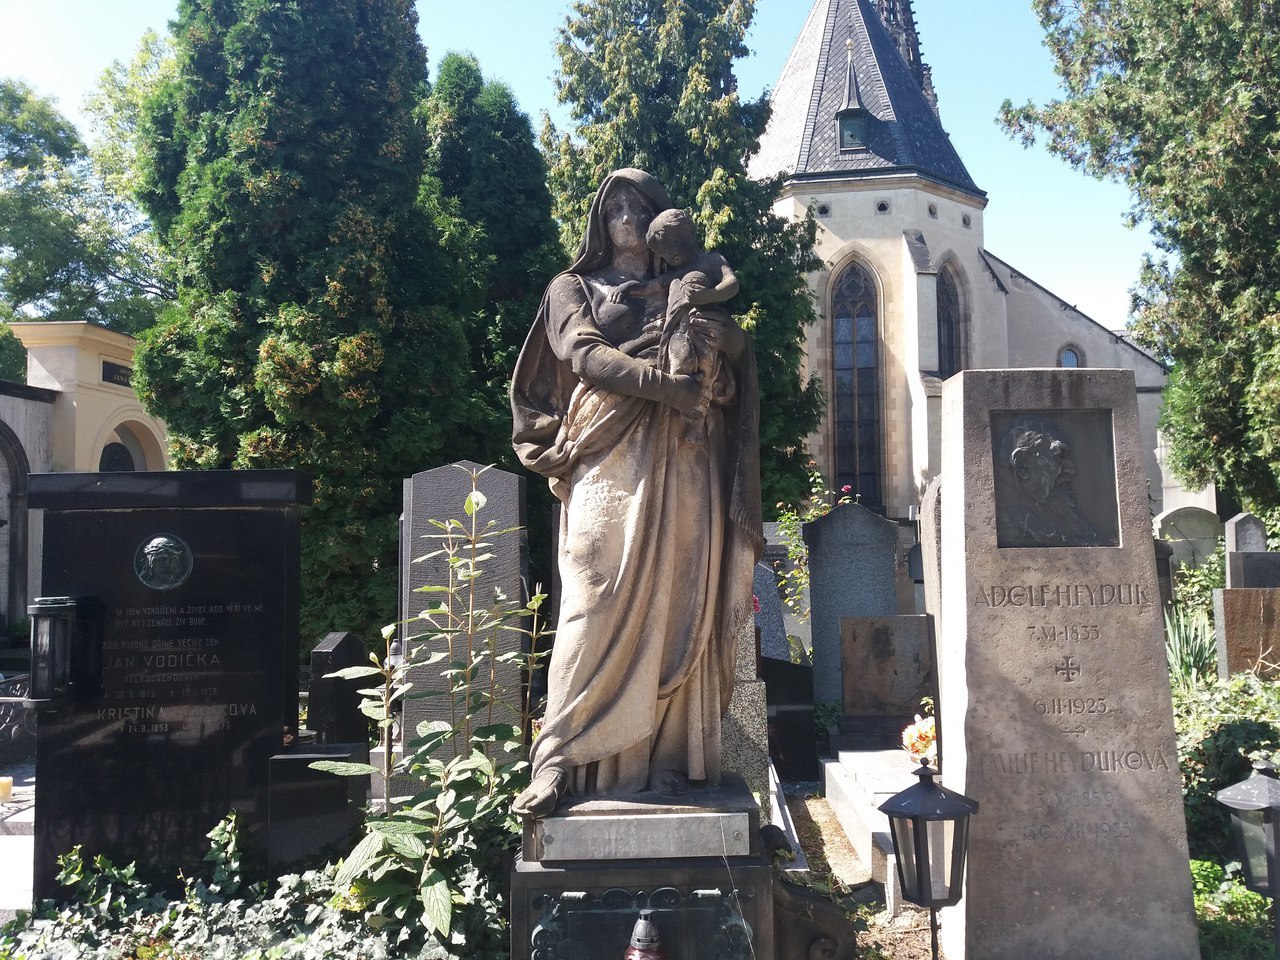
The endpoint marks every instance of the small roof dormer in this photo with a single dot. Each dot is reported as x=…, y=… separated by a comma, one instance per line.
x=851, y=118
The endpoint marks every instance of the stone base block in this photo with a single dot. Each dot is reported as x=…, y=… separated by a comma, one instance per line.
x=719, y=821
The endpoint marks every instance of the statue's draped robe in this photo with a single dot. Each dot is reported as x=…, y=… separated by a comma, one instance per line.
x=658, y=541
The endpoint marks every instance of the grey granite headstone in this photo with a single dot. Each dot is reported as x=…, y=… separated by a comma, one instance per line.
x=769, y=620
x=1245, y=533
x=853, y=553
x=1193, y=533
x=744, y=733
x=1056, y=708
x=440, y=495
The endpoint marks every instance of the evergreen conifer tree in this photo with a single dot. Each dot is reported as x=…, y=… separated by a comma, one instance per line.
x=650, y=84
x=315, y=327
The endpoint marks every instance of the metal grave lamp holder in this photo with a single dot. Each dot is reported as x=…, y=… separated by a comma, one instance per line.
x=930, y=829
x=1255, y=820
x=53, y=631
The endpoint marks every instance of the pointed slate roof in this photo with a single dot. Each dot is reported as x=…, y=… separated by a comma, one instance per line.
x=903, y=135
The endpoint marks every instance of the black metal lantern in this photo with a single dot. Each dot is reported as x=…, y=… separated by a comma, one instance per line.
x=930, y=829
x=53, y=639
x=1255, y=820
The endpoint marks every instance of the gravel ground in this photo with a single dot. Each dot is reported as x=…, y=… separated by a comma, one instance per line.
x=834, y=864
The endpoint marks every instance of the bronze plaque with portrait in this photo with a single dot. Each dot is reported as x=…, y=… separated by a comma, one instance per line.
x=1055, y=478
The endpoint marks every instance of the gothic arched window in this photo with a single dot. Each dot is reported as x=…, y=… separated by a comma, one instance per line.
x=948, y=325
x=856, y=362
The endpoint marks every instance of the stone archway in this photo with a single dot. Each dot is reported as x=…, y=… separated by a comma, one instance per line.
x=15, y=461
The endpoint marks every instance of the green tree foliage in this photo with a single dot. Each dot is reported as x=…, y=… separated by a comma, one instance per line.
x=650, y=84
x=1180, y=100
x=71, y=247
x=485, y=174
x=315, y=330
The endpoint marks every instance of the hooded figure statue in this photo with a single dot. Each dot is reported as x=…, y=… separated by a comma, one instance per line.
x=659, y=535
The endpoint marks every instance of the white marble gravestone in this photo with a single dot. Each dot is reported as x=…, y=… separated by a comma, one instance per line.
x=1056, y=711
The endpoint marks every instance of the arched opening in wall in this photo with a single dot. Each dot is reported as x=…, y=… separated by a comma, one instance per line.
x=855, y=345
x=130, y=447
x=950, y=324
x=1070, y=357
x=16, y=468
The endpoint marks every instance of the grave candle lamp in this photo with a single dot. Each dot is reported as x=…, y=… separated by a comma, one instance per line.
x=1255, y=819
x=930, y=829
x=53, y=633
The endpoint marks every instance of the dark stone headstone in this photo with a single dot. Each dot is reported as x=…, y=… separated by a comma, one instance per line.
x=439, y=495
x=313, y=815
x=1245, y=533
x=769, y=618
x=853, y=555
x=888, y=665
x=1164, y=571
x=196, y=579
x=1247, y=629
x=1253, y=571
x=333, y=704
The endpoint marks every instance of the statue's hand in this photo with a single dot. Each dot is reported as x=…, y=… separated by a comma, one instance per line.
x=622, y=291
x=719, y=333
x=682, y=392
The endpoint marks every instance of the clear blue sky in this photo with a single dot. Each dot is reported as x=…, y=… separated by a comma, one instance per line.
x=1058, y=227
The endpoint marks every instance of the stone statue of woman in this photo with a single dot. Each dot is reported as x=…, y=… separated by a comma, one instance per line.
x=659, y=535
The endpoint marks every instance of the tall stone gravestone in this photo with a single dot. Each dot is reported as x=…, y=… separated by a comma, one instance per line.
x=852, y=558
x=194, y=579
x=440, y=495
x=1056, y=709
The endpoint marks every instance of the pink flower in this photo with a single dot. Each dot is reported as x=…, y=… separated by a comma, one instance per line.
x=846, y=489
x=755, y=603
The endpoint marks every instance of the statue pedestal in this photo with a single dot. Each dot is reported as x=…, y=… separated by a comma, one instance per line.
x=698, y=864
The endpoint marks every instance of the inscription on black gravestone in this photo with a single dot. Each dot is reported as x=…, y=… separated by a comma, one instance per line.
x=1055, y=478
x=197, y=582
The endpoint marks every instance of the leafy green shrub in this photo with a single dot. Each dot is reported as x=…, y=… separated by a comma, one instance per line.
x=1193, y=586
x=1235, y=924
x=1222, y=726
x=1190, y=646
x=433, y=864
x=113, y=915
x=793, y=580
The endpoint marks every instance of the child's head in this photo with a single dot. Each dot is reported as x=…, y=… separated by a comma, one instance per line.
x=673, y=237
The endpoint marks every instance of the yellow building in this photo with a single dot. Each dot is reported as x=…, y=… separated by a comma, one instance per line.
x=76, y=412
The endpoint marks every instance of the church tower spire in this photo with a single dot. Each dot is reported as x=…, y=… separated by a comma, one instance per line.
x=855, y=101
x=900, y=22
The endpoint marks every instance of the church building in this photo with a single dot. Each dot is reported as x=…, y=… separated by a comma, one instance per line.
x=908, y=294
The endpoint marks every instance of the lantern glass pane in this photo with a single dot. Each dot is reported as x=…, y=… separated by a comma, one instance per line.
x=41, y=651
x=61, y=646
x=904, y=842
x=941, y=847
x=1251, y=827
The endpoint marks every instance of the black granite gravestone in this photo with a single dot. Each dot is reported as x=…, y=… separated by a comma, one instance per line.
x=333, y=704
x=196, y=577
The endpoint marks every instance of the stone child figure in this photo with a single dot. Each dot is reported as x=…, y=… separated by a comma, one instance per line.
x=696, y=277
x=658, y=536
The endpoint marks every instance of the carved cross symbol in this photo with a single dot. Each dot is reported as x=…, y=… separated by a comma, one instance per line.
x=1068, y=668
